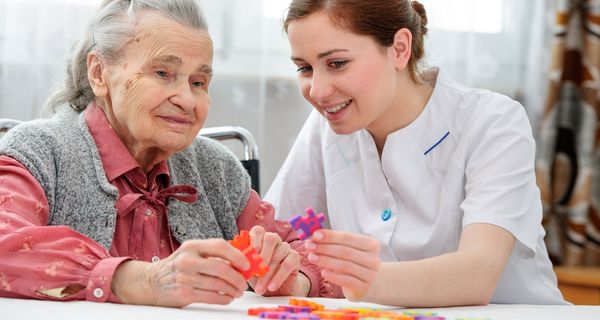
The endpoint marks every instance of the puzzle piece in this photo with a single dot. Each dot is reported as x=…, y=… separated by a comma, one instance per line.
x=302, y=316
x=298, y=310
x=242, y=243
x=274, y=315
x=257, y=268
x=305, y=303
x=258, y=311
x=295, y=309
x=306, y=225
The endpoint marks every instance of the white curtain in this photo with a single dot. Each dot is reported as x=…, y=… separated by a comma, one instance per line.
x=483, y=43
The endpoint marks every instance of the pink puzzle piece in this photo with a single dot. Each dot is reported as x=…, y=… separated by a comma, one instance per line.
x=257, y=268
x=306, y=225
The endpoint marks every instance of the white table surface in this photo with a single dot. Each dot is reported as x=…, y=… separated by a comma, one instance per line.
x=47, y=310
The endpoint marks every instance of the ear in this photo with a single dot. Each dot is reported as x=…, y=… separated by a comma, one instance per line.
x=402, y=48
x=96, y=73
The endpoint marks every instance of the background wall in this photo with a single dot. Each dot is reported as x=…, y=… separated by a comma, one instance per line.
x=496, y=44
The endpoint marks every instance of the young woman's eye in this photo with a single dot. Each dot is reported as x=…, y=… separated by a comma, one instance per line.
x=304, y=69
x=338, y=64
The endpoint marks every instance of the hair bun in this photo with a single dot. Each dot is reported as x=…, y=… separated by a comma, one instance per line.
x=420, y=10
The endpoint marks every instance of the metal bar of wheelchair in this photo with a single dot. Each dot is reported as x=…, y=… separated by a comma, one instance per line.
x=7, y=124
x=250, y=161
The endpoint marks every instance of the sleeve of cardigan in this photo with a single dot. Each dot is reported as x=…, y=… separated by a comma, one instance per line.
x=258, y=212
x=40, y=261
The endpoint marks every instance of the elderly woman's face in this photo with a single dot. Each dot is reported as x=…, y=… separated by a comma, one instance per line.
x=157, y=97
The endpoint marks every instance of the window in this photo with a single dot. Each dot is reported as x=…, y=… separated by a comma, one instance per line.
x=465, y=15
x=274, y=9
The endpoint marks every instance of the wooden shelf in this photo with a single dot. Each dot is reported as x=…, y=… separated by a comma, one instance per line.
x=579, y=285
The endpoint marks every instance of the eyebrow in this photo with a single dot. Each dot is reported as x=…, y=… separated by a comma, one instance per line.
x=171, y=59
x=321, y=55
x=205, y=69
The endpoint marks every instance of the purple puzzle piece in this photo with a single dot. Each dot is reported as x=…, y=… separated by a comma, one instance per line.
x=302, y=316
x=274, y=315
x=306, y=225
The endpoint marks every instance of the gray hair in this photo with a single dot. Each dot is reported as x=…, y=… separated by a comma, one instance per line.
x=107, y=32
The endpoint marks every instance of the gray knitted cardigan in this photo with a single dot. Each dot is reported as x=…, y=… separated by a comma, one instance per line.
x=61, y=154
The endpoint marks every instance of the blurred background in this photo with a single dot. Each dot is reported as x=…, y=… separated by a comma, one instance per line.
x=485, y=43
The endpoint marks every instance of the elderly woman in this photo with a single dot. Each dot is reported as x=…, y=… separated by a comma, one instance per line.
x=115, y=199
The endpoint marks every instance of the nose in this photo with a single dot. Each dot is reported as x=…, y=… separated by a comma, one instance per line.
x=321, y=87
x=183, y=96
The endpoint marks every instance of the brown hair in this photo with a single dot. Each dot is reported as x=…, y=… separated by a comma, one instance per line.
x=378, y=19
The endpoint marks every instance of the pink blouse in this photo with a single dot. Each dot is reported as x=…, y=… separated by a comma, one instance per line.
x=57, y=263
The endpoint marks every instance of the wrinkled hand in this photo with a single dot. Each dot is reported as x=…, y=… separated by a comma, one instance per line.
x=199, y=271
x=349, y=260
x=283, y=277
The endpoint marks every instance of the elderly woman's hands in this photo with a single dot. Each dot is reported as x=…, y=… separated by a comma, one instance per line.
x=199, y=271
x=283, y=277
x=205, y=271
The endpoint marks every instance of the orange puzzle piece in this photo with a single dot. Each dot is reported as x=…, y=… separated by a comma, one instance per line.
x=242, y=243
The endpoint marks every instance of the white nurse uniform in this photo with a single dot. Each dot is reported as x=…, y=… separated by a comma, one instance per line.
x=468, y=158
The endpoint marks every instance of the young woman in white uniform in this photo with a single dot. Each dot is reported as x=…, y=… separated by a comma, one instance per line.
x=428, y=186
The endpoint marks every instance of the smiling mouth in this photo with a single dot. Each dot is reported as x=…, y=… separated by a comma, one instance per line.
x=176, y=120
x=338, y=107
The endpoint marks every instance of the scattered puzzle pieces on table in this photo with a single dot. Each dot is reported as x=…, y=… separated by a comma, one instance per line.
x=317, y=311
x=242, y=243
x=306, y=225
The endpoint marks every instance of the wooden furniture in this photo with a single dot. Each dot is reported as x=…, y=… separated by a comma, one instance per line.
x=579, y=285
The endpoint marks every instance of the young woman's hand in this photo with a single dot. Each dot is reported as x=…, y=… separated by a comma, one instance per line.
x=199, y=271
x=349, y=260
x=283, y=277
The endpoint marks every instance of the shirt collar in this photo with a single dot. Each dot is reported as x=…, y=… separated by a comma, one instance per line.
x=115, y=157
x=430, y=126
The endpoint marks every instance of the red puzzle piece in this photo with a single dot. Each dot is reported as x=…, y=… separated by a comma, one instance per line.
x=242, y=243
x=257, y=268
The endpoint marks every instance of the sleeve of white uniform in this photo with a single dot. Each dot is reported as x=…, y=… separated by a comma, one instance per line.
x=500, y=180
x=300, y=182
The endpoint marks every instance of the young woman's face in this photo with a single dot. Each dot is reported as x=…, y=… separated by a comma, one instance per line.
x=347, y=77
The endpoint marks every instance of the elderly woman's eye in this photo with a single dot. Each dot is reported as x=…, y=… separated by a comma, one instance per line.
x=162, y=73
x=198, y=84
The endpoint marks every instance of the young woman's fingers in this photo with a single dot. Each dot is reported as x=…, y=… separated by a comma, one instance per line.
x=364, y=258
x=345, y=280
x=354, y=289
x=357, y=241
x=343, y=266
